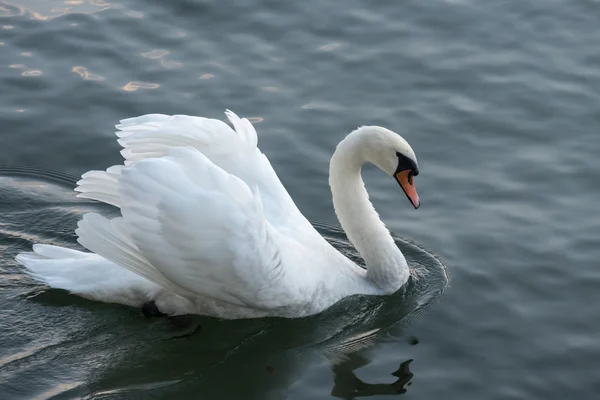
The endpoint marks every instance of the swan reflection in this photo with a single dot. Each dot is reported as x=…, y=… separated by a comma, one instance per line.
x=348, y=386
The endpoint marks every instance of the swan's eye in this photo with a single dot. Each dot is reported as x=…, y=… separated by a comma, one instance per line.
x=407, y=164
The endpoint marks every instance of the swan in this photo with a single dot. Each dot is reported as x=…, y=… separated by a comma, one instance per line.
x=206, y=227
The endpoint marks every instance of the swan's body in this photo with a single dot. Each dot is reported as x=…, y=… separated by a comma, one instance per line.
x=208, y=228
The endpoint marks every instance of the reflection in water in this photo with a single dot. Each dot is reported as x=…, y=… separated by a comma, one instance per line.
x=320, y=106
x=330, y=46
x=155, y=54
x=86, y=75
x=159, y=54
x=207, y=76
x=98, y=3
x=31, y=72
x=133, y=86
x=44, y=11
x=115, y=350
x=348, y=386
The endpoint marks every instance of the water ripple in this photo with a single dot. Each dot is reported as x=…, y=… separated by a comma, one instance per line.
x=44, y=11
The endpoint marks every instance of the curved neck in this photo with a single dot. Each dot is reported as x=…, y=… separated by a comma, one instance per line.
x=386, y=265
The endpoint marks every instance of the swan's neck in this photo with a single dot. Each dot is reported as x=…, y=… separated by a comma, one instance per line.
x=386, y=265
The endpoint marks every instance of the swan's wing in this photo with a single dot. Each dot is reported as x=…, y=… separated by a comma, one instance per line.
x=234, y=151
x=101, y=185
x=197, y=229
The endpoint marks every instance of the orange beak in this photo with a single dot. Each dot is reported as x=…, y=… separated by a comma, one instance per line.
x=405, y=179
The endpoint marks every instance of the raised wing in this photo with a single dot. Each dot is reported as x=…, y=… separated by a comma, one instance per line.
x=195, y=229
x=234, y=151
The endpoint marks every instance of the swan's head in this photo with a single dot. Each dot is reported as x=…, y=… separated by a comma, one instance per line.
x=391, y=153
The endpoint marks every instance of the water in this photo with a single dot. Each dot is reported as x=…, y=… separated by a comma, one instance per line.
x=500, y=101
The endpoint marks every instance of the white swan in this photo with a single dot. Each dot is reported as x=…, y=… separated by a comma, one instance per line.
x=206, y=226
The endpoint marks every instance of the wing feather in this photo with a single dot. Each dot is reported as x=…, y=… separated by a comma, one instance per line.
x=203, y=212
x=234, y=151
x=101, y=185
x=203, y=229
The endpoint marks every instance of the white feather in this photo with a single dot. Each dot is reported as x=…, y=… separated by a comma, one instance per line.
x=88, y=275
x=101, y=185
x=212, y=228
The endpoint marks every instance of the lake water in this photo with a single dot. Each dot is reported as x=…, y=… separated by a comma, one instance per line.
x=501, y=102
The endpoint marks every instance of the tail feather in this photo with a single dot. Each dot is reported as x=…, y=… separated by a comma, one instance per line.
x=48, y=251
x=109, y=239
x=87, y=275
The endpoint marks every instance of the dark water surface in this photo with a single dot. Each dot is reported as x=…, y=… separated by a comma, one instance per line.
x=500, y=100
